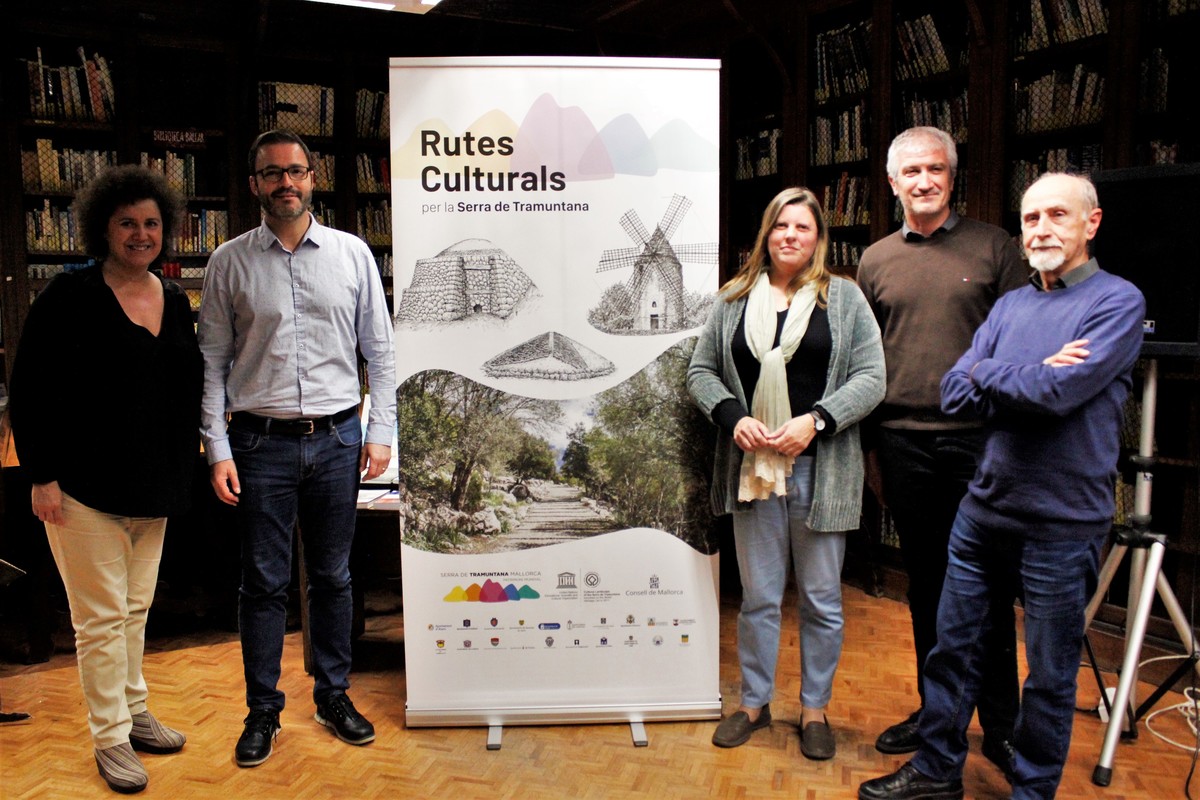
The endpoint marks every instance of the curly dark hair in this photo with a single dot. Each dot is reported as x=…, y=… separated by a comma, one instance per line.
x=115, y=187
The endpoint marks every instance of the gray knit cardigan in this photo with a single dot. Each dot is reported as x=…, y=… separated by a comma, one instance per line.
x=854, y=386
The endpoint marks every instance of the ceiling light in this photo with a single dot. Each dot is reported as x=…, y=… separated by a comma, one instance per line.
x=411, y=6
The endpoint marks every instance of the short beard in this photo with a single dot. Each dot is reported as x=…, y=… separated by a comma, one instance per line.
x=267, y=203
x=1046, y=262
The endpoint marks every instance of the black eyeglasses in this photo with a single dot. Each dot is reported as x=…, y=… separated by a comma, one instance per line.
x=275, y=174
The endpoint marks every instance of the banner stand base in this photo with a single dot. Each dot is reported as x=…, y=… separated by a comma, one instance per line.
x=636, y=729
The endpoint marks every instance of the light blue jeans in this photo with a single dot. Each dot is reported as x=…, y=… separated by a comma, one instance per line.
x=764, y=536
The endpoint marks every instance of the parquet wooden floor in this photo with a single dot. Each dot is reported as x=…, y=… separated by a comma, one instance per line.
x=196, y=686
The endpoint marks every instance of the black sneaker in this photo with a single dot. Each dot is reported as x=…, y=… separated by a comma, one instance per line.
x=338, y=713
x=254, y=745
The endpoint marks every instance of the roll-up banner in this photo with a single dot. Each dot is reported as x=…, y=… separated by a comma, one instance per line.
x=555, y=226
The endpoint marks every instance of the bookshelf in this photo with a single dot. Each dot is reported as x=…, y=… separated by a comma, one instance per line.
x=930, y=82
x=1060, y=76
x=841, y=112
x=753, y=91
x=1166, y=69
x=72, y=123
x=372, y=171
x=66, y=135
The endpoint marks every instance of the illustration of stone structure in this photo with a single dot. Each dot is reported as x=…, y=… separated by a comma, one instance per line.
x=654, y=292
x=550, y=356
x=468, y=278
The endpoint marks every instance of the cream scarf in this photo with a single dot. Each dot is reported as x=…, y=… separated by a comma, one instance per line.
x=765, y=472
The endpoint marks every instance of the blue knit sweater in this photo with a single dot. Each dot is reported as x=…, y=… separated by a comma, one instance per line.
x=1049, y=467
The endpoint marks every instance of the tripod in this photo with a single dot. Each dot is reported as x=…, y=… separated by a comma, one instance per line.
x=1145, y=575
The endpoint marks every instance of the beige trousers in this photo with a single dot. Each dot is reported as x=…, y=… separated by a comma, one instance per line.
x=109, y=567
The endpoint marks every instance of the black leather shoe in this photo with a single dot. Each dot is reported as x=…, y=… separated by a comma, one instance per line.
x=907, y=783
x=338, y=713
x=1000, y=752
x=254, y=745
x=903, y=737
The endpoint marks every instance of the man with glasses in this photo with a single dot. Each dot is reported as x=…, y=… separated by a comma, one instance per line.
x=284, y=309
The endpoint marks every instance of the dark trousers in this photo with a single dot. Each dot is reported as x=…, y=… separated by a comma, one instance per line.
x=925, y=475
x=314, y=480
x=1057, y=579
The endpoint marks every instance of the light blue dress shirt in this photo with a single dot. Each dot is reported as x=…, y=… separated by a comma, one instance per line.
x=279, y=332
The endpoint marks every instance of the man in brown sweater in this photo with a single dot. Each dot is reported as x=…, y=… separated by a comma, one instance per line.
x=931, y=284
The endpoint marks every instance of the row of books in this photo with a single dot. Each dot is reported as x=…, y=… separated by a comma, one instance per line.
x=47, y=168
x=920, y=49
x=375, y=222
x=845, y=202
x=178, y=168
x=1059, y=22
x=303, y=108
x=324, y=214
x=177, y=269
x=372, y=115
x=46, y=271
x=843, y=62
x=51, y=229
x=1081, y=159
x=323, y=171
x=1174, y=8
x=845, y=254
x=1059, y=99
x=384, y=262
x=947, y=113
x=374, y=173
x=201, y=231
x=839, y=139
x=84, y=92
x=757, y=154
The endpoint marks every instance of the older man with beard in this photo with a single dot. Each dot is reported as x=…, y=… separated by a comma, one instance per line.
x=286, y=307
x=1048, y=372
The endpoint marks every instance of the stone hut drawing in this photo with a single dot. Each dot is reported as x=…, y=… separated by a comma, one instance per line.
x=468, y=278
x=549, y=356
x=654, y=292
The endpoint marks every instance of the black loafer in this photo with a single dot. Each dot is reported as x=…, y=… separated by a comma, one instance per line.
x=338, y=713
x=254, y=745
x=817, y=742
x=903, y=737
x=735, y=730
x=907, y=783
x=1000, y=752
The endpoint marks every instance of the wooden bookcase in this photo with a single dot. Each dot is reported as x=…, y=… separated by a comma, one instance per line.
x=189, y=106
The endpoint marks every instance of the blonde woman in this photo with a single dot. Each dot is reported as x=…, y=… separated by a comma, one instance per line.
x=788, y=363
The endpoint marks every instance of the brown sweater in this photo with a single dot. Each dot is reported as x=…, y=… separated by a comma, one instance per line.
x=929, y=296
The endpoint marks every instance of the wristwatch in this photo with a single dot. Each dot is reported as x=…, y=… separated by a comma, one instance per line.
x=818, y=420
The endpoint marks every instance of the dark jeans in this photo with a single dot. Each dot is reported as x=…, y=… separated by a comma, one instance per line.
x=1057, y=580
x=925, y=475
x=314, y=480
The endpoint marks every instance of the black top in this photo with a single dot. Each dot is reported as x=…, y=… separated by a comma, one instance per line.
x=104, y=407
x=807, y=371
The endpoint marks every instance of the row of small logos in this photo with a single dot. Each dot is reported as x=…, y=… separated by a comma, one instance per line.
x=566, y=580
x=604, y=641
x=630, y=619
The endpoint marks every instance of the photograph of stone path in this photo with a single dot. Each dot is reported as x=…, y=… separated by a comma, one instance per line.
x=558, y=513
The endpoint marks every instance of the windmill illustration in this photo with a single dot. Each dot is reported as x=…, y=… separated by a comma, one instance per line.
x=655, y=289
